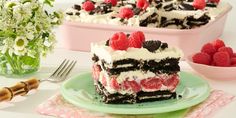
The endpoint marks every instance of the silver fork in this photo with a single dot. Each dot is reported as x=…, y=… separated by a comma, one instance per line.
x=61, y=73
x=23, y=87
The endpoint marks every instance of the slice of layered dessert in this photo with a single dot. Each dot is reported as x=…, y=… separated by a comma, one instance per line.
x=128, y=69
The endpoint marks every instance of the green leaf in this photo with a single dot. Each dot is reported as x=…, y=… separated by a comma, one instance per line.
x=49, y=2
x=7, y=34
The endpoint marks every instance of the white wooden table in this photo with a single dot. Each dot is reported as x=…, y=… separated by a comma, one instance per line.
x=24, y=107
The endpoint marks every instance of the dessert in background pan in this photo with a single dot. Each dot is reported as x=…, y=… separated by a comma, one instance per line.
x=175, y=14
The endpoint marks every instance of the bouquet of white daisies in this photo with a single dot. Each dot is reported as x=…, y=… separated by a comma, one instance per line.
x=26, y=33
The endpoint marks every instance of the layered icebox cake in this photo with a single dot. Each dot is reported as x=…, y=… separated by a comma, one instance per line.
x=128, y=69
x=177, y=14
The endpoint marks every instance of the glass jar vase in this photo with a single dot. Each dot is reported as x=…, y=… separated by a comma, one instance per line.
x=15, y=65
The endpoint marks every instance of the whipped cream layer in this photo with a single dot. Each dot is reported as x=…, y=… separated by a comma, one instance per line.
x=175, y=13
x=109, y=55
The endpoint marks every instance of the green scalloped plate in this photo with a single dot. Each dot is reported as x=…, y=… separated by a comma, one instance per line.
x=80, y=91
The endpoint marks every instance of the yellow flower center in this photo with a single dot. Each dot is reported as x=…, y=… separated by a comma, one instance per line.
x=20, y=42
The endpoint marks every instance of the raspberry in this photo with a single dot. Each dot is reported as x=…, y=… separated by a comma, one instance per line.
x=151, y=83
x=213, y=63
x=222, y=59
x=233, y=65
x=142, y=4
x=114, y=84
x=113, y=2
x=132, y=85
x=214, y=1
x=233, y=61
x=199, y=4
x=202, y=58
x=96, y=72
x=136, y=39
x=218, y=44
x=88, y=6
x=172, y=82
x=126, y=13
x=227, y=49
x=104, y=81
x=119, y=41
x=234, y=55
x=209, y=49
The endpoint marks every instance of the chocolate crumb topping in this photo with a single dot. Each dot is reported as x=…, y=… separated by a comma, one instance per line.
x=137, y=11
x=77, y=13
x=69, y=13
x=164, y=46
x=107, y=42
x=77, y=7
x=184, y=6
x=152, y=46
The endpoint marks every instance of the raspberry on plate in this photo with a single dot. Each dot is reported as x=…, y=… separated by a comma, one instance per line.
x=199, y=4
x=113, y=2
x=202, y=58
x=88, y=6
x=119, y=41
x=142, y=4
x=222, y=59
x=126, y=13
x=136, y=39
x=227, y=49
x=209, y=49
x=218, y=43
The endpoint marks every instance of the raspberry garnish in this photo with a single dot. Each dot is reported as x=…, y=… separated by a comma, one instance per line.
x=227, y=49
x=233, y=61
x=202, y=58
x=199, y=4
x=136, y=39
x=209, y=49
x=218, y=43
x=88, y=6
x=126, y=13
x=113, y=2
x=142, y=4
x=222, y=59
x=119, y=41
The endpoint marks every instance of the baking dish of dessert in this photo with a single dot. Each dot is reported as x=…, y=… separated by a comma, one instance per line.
x=78, y=33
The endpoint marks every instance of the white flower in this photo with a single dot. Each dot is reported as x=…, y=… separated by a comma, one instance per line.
x=26, y=28
x=47, y=43
x=30, y=35
x=20, y=43
x=20, y=52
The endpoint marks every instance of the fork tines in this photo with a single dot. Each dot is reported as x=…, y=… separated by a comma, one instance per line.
x=64, y=69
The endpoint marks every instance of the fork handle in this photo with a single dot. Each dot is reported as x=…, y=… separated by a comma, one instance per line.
x=21, y=88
